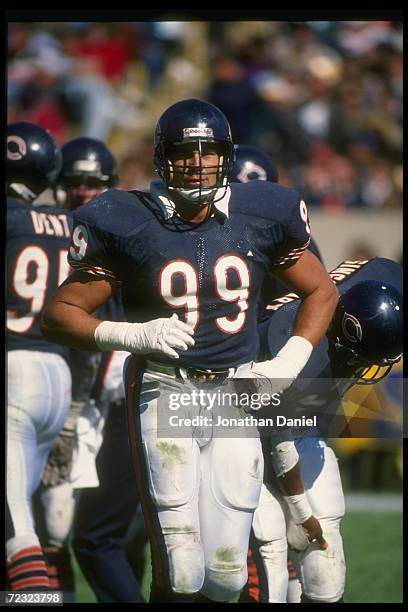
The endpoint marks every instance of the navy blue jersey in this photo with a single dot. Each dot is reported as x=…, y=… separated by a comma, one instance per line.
x=37, y=246
x=274, y=333
x=210, y=273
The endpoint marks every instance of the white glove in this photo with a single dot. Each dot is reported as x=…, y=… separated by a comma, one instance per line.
x=163, y=335
x=286, y=366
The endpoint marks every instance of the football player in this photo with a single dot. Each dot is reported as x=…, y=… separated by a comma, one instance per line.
x=102, y=512
x=88, y=169
x=251, y=163
x=362, y=343
x=193, y=248
x=38, y=376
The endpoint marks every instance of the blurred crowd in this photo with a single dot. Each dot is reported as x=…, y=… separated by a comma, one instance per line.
x=324, y=99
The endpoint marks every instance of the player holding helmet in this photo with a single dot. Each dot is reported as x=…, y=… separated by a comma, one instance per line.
x=195, y=248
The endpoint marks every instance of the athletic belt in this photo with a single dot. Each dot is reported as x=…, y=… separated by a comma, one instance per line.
x=196, y=374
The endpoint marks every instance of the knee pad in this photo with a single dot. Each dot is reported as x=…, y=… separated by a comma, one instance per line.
x=172, y=471
x=225, y=576
x=238, y=484
x=324, y=571
x=186, y=561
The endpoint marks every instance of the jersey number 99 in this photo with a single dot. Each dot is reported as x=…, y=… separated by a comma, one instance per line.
x=189, y=299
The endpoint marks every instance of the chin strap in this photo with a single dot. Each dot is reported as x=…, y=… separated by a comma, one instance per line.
x=194, y=195
x=23, y=191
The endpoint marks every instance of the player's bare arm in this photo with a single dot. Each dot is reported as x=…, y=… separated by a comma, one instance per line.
x=312, y=283
x=68, y=318
x=294, y=494
x=309, y=279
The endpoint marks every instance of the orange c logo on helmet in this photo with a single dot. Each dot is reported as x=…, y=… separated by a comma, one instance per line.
x=19, y=150
x=351, y=328
x=251, y=167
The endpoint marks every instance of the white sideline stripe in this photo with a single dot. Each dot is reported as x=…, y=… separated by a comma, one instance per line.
x=373, y=502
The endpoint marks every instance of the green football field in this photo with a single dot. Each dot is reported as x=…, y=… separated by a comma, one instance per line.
x=373, y=549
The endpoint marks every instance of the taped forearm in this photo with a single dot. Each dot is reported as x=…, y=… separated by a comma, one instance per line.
x=289, y=361
x=285, y=460
x=299, y=507
x=295, y=354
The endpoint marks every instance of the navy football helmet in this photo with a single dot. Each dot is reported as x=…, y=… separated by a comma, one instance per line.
x=88, y=169
x=33, y=160
x=252, y=164
x=88, y=158
x=367, y=329
x=198, y=122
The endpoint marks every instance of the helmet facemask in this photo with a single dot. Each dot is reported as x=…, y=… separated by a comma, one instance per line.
x=364, y=370
x=174, y=174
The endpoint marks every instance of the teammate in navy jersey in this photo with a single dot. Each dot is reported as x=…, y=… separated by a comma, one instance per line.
x=193, y=248
x=366, y=331
x=104, y=513
x=251, y=163
x=38, y=377
x=88, y=169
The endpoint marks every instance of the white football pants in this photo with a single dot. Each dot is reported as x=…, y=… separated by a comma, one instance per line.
x=198, y=495
x=39, y=396
x=322, y=571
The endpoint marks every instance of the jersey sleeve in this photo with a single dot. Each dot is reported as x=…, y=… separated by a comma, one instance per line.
x=296, y=238
x=92, y=250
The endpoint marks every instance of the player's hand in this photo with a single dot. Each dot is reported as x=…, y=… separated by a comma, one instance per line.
x=59, y=462
x=281, y=371
x=164, y=335
x=275, y=376
x=309, y=532
x=314, y=532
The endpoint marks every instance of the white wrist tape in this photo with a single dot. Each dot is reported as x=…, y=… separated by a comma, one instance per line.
x=283, y=453
x=112, y=335
x=295, y=353
x=299, y=507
